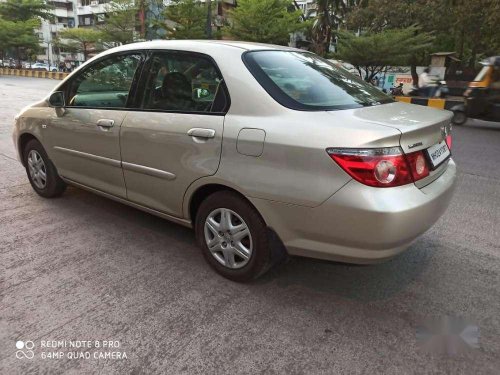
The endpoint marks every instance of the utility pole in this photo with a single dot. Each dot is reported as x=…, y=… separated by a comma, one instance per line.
x=209, y=19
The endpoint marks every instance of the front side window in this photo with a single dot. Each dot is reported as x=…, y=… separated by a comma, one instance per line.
x=184, y=82
x=304, y=81
x=105, y=84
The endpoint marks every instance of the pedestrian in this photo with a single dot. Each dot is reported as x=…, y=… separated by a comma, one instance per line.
x=425, y=83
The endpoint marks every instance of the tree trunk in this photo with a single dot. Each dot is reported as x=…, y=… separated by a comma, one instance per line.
x=328, y=39
x=414, y=75
x=85, y=53
x=475, y=47
x=461, y=43
x=209, y=19
x=18, y=57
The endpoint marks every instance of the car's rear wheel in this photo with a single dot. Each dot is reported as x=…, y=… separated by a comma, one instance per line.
x=232, y=236
x=459, y=117
x=42, y=173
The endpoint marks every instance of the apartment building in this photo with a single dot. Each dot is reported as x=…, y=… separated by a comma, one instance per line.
x=65, y=17
x=91, y=12
x=308, y=7
x=68, y=14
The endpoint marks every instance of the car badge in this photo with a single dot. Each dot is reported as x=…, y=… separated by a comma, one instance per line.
x=415, y=145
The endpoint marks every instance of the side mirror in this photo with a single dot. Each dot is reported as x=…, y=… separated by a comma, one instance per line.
x=56, y=99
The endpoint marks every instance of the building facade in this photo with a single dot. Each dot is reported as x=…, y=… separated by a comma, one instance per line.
x=68, y=14
x=64, y=17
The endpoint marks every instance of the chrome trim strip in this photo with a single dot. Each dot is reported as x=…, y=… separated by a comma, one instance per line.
x=384, y=151
x=116, y=163
x=99, y=159
x=174, y=219
x=148, y=170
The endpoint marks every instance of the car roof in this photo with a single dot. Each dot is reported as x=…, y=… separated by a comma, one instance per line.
x=194, y=44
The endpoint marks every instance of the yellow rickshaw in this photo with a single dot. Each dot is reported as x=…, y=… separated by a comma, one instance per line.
x=482, y=97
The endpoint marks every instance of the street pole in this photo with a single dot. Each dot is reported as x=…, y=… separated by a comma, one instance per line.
x=209, y=19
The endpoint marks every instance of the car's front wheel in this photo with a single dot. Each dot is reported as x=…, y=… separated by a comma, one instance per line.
x=232, y=236
x=42, y=173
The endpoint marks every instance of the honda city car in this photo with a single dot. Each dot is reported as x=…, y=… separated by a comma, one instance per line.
x=251, y=145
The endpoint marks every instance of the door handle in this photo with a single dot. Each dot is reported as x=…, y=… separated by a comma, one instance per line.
x=201, y=133
x=105, y=123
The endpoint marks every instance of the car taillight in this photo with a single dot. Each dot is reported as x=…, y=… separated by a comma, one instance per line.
x=418, y=165
x=448, y=141
x=381, y=167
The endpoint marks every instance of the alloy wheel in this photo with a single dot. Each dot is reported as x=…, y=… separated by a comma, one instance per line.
x=37, y=169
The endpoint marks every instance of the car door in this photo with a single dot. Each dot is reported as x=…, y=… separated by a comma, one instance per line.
x=85, y=134
x=175, y=135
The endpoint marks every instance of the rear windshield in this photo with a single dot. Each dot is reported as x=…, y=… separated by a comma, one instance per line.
x=304, y=81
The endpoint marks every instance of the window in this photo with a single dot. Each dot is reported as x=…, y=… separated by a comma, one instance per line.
x=304, y=81
x=177, y=81
x=86, y=20
x=105, y=84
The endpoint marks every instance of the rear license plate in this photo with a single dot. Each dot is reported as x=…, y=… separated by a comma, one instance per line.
x=438, y=153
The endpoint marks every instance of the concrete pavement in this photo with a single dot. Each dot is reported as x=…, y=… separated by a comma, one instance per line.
x=82, y=267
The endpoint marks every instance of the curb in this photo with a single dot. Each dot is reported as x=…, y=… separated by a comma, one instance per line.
x=33, y=73
x=429, y=102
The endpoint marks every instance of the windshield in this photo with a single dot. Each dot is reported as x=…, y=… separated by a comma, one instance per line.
x=482, y=74
x=304, y=81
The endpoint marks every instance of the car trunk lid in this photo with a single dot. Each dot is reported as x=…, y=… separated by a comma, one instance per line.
x=420, y=127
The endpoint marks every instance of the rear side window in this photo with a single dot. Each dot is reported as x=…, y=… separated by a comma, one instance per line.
x=106, y=83
x=304, y=81
x=183, y=82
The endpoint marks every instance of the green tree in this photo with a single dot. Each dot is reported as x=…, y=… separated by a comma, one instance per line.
x=81, y=40
x=374, y=52
x=18, y=21
x=265, y=21
x=185, y=19
x=121, y=22
x=19, y=36
x=329, y=15
x=378, y=15
x=475, y=27
x=469, y=28
x=24, y=10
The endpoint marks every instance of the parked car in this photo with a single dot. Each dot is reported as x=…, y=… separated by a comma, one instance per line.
x=249, y=144
x=43, y=66
x=9, y=64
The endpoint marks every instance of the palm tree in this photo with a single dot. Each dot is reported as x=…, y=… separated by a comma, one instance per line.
x=329, y=15
x=324, y=24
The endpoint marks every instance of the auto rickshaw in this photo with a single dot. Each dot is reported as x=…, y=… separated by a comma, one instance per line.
x=482, y=97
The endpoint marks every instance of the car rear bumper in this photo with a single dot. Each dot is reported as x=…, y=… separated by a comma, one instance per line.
x=360, y=224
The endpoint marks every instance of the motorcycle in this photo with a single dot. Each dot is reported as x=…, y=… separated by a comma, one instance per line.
x=397, y=90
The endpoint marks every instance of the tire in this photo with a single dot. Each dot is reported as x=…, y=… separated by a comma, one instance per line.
x=459, y=117
x=50, y=187
x=224, y=259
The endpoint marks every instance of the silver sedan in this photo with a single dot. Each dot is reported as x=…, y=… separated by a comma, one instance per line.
x=264, y=150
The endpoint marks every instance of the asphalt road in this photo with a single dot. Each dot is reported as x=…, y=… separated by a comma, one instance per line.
x=82, y=267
